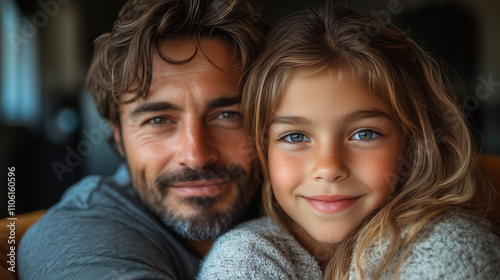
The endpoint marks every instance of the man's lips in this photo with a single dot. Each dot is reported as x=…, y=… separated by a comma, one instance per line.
x=208, y=187
x=331, y=203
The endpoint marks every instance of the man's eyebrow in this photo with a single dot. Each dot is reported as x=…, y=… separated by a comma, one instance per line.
x=224, y=102
x=166, y=106
x=153, y=107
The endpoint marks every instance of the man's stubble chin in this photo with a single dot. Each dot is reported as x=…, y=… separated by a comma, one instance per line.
x=202, y=218
x=205, y=221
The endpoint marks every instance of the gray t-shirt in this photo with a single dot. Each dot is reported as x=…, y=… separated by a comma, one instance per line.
x=101, y=230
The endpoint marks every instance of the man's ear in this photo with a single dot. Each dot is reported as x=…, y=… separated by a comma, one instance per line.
x=117, y=135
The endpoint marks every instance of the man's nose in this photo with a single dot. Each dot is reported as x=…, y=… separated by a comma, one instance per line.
x=197, y=145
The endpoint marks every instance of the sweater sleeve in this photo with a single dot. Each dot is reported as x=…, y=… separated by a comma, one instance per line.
x=457, y=247
x=256, y=251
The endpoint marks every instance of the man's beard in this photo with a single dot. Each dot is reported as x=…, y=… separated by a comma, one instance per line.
x=207, y=223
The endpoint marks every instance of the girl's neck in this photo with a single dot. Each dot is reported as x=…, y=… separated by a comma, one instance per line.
x=320, y=251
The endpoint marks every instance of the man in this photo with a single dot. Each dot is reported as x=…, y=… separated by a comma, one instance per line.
x=167, y=78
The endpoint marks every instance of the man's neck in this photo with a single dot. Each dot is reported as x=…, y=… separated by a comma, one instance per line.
x=200, y=248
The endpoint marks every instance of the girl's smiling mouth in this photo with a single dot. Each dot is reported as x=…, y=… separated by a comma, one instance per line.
x=331, y=203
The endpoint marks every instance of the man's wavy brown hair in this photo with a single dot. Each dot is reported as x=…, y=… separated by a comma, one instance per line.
x=122, y=60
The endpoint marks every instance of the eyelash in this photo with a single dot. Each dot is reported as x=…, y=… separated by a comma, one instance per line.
x=236, y=115
x=165, y=120
x=284, y=136
x=375, y=136
x=150, y=121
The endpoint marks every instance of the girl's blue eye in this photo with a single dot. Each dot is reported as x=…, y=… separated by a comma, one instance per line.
x=365, y=135
x=296, y=138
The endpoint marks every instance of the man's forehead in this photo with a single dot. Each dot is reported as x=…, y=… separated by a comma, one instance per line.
x=194, y=54
x=211, y=74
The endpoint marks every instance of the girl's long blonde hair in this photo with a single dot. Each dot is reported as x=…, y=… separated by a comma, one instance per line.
x=438, y=171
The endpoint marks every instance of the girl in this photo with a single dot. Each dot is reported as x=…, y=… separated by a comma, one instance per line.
x=369, y=167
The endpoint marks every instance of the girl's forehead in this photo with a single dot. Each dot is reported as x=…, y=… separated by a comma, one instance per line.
x=332, y=85
x=338, y=73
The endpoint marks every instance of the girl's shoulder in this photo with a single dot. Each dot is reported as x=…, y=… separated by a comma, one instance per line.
x=262, y=226
x=257, y=233
x=456, y=246
x=459, y=231
x=258, y=249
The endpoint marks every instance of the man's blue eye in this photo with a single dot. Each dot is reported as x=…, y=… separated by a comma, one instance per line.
x=365, y=135
x=229, y=115
x=296, y=138
x=158, y=120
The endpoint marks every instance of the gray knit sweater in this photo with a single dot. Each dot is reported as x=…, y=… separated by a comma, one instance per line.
x=457, y=247
x=258, y=249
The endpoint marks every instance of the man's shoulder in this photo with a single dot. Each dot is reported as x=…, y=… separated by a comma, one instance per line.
x=101, y=228
x=94, y=188
x=95, y=197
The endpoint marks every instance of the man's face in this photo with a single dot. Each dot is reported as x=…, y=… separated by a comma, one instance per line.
x=189, y=158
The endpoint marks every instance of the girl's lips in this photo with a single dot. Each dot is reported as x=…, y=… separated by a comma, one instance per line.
x=331, y=203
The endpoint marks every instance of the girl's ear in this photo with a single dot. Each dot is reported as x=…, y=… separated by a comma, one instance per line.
x=117, y=135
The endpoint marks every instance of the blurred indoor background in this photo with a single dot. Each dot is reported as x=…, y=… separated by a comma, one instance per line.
x=51, y=133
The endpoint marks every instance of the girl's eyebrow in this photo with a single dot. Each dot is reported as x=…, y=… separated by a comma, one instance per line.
x=365, y=114
x=292, y=120
x=350, y=117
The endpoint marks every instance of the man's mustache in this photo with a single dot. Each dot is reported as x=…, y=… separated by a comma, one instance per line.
x=232, y=172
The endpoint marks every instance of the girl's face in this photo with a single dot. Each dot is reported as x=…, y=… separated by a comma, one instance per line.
x=333, y=154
